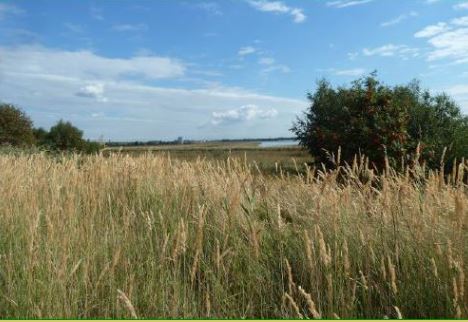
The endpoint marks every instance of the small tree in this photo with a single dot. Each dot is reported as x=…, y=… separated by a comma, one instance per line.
x=15, y=126
x=64, y=136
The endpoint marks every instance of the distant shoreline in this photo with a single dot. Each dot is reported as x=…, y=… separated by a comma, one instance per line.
x=188, y=141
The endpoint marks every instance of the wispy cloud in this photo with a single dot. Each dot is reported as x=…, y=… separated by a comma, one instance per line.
x=266, y=61
x=242, y=114
x=354, y=72
x=278, y=7
x=461, y=6
x=460, y=93
x=247, y=50
x=462, y=21
x=130, y=27
x=432, y=30
x=41, y=60
x=449, y=40
x=276, y=68
x=399, y=19
x=346, y=3
x=389, y=50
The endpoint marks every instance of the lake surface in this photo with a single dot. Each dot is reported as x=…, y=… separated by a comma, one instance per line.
x=278, y=144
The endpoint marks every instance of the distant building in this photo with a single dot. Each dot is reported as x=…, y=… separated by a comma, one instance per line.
x=180, y=140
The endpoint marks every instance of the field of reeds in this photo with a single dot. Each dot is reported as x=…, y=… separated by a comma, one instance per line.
x=148, y=236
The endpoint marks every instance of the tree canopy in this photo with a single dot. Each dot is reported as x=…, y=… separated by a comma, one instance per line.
x=382, y=121
x=16, y=128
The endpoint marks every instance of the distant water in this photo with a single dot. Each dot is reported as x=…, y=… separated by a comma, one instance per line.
x=278, y=144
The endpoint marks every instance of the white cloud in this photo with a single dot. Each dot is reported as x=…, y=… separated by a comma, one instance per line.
x=460, y=94
x=462, y=21
x=246, y=51
x=242, y=114
x=49, y=84
x=95, y=91
x=276, y=68
x=279, y=8
x=390, y=50
x=451, y=44
x=130, y=27
x=346, y=3
x=432, y=30
x=85, y=64
x=399, y=19
x=448, y=40
x=354, y=72
x=353, y=55
x=461, y=6
x=266, y=61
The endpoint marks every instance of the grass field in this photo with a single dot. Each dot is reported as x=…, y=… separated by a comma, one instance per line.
x=269, y=160
x=127, y=236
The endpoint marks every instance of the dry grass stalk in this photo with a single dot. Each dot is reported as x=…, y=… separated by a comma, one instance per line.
x=198, y=243
x=128, y=304
x=293, y=305
x=310, y=304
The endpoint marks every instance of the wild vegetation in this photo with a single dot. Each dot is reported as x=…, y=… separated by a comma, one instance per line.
x=383, y=122
x=16, y=130
x=235, y=231
x=149, y=236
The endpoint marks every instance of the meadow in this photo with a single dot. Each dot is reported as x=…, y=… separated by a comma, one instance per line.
x=268, y=160
x=140, y=235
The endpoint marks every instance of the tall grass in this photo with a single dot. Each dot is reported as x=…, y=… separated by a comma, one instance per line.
x=147, y=236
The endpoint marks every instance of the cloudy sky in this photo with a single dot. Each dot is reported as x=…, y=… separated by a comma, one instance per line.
x=141, y=69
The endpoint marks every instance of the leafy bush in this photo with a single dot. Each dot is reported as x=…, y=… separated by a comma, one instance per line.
x=64, y=136
x=381, y=121
x=15, y=127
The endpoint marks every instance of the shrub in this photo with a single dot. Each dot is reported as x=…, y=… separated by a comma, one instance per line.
x=15, y=127
x=64, y=136
x=381, y=121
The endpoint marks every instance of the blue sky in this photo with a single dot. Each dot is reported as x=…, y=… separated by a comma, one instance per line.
x=159, y=69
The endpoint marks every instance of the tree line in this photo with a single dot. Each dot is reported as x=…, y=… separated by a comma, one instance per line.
x=16, y=129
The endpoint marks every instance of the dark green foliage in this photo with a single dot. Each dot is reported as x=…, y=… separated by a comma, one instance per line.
x=378, y=120
x=437, y=123
x=91, y=147
x=15, y=127
x=64, y=136
x=40, y=136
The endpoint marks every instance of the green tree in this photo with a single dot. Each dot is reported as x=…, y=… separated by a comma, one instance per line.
x=40, y=136
x=381, y=121
x=64, y=136
x=437, y=124
x=15, y=126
